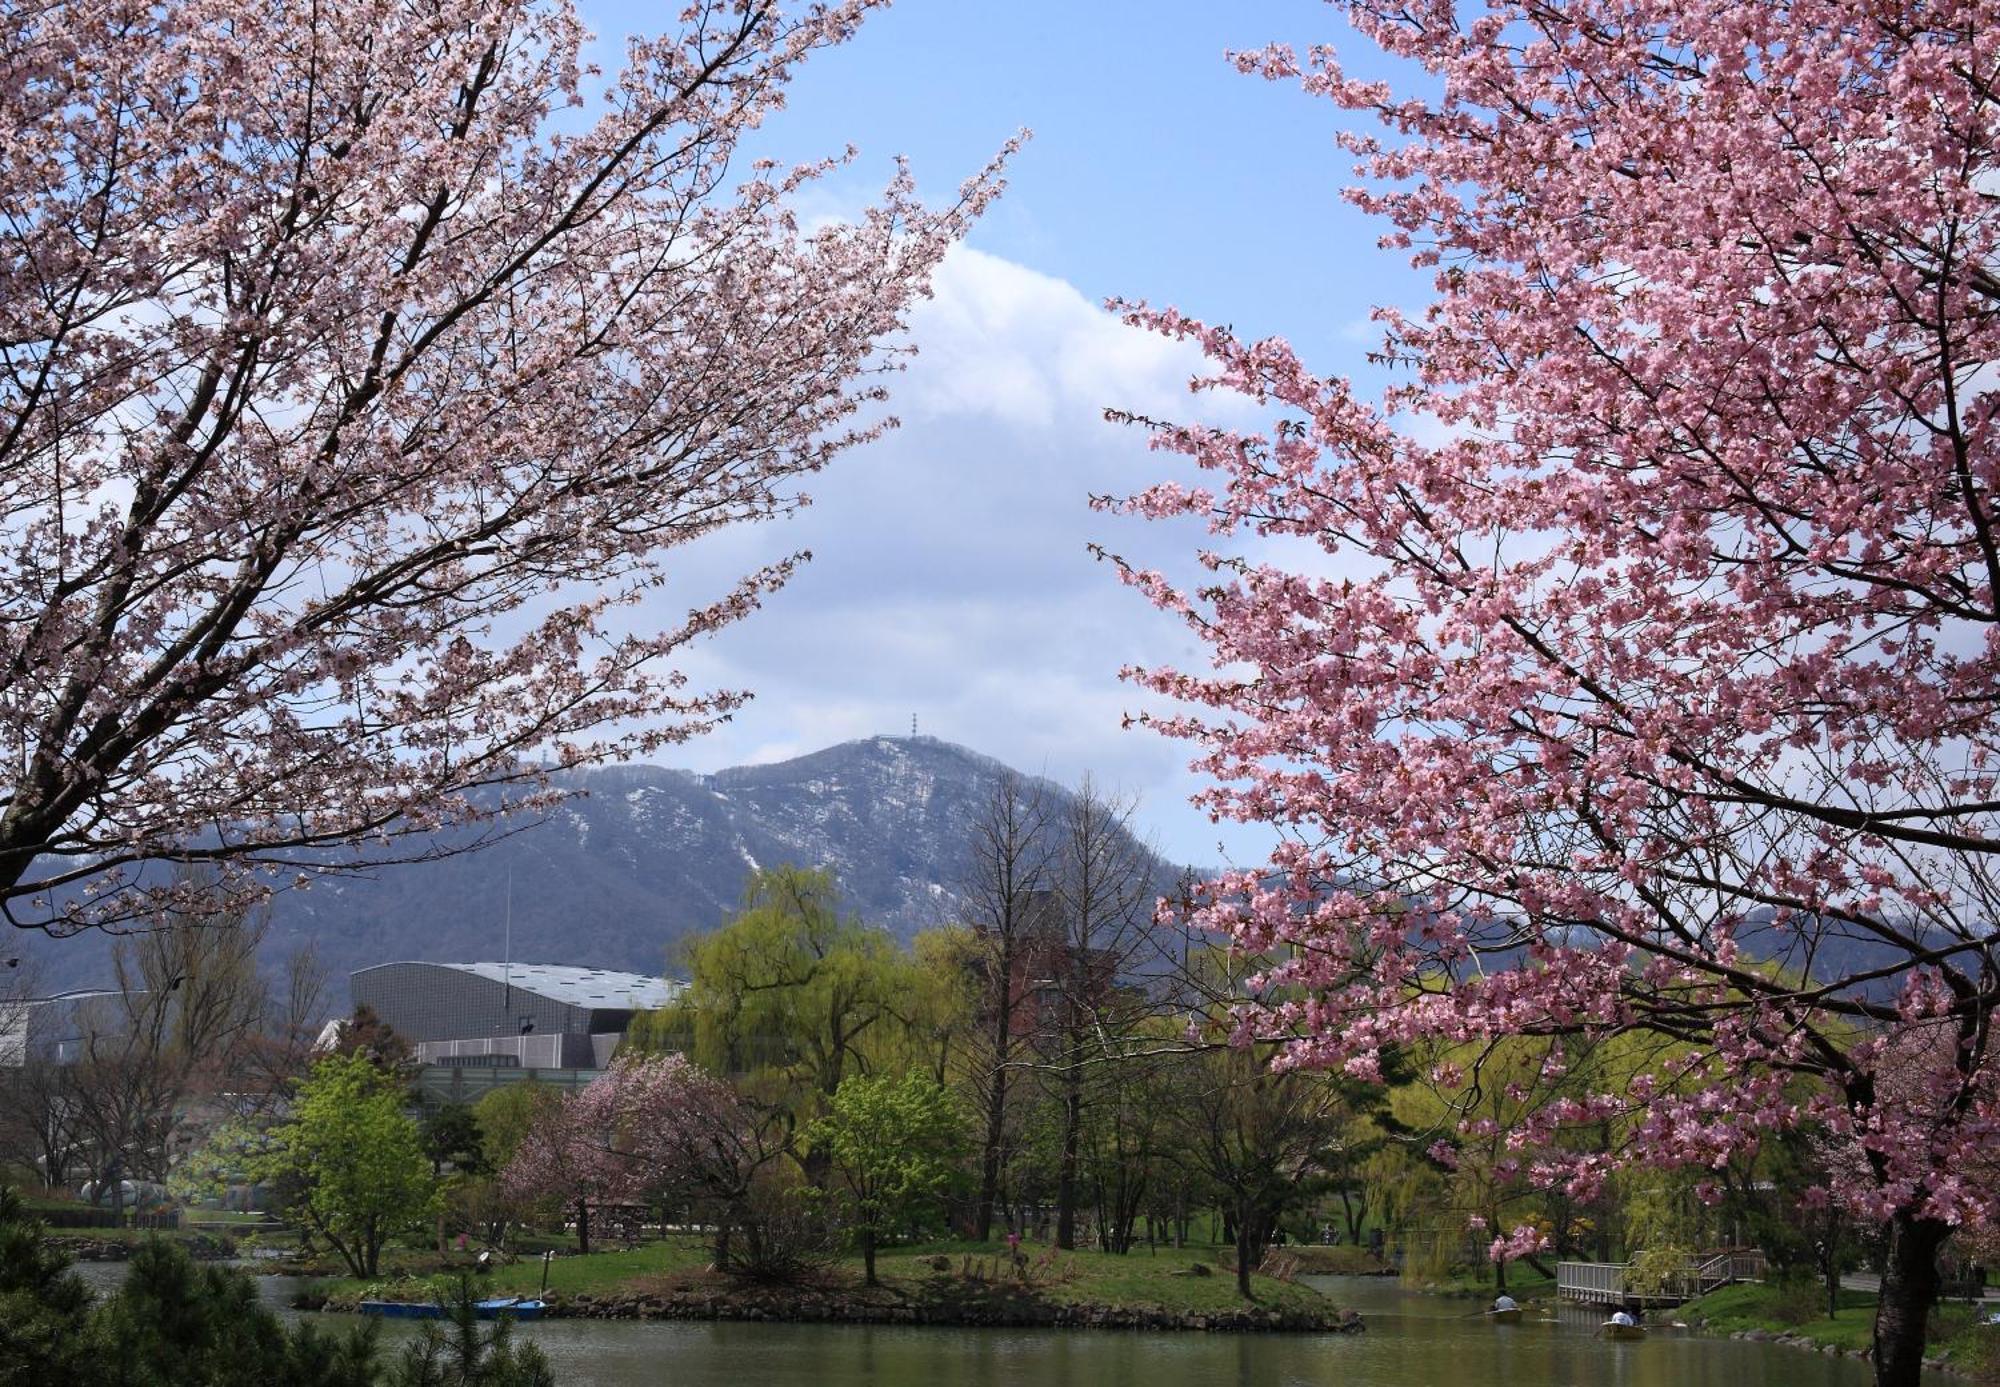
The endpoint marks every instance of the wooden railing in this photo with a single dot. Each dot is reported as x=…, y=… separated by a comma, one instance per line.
x=1709, y=1270
x=1604, y=1283
x=1599, y=1283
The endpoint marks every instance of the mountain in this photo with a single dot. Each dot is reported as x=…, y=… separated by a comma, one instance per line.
x=644, y=856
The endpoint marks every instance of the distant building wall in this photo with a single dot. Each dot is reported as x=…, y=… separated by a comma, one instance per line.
x=454, y=1083
x=53, y=1030
x=508, y=1015
x=429, y=1001
x=559, y=1051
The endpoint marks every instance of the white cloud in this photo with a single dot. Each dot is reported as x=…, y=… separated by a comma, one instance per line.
x=1004, y=342
x=952, y=577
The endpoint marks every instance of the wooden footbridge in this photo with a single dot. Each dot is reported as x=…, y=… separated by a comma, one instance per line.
x=1604, y=1283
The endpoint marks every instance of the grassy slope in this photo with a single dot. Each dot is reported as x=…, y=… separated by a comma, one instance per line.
x=1735, y=1308
x=1953, y=1330
x=1316, y=1259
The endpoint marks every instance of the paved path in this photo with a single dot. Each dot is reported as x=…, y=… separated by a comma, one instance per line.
x=1871, y=1283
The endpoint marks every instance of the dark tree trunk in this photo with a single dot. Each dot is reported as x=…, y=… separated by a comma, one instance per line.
x=996, y=1088
x=583, y=1225
x=989, y=1158
x=1355, y=1213
x=1909, y=1286
x=1244, y=1239
x=868, y=1257
x=1072, y=1131
x=818, y=1167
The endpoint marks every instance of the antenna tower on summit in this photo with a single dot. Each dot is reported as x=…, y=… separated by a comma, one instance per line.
x=913, y=727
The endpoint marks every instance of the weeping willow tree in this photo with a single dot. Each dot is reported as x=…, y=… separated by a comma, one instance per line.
x=789, y=997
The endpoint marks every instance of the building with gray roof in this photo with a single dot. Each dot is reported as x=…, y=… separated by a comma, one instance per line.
x=509, y=1015
x=57, y=1029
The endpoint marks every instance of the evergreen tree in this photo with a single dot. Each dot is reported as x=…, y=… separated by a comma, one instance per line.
x=43, y=1304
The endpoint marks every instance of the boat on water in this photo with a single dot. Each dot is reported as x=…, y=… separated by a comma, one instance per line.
x=1511, y=1315
x=1613, y=1330
x=513, y=1306
x=518, y=1307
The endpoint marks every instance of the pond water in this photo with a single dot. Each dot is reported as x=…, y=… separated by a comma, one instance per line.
x=1412, y=1341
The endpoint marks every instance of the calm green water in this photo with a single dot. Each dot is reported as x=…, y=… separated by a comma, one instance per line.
x=1412, y=1341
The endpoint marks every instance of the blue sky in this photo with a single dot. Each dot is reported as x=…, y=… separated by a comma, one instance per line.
x=951, y=576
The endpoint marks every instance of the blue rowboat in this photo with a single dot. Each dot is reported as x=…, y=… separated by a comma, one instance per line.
x=512, y=1305
x=485, y=1309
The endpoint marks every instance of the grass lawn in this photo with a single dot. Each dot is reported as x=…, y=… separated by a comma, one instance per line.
x=1317, y=1259
x=410, y=1274
x=571, y=1274
x=222, y=1216
x=974, y=1273
x=1952, y=1330
x=220, y=1221
x=1162, y=1279
x=134, y=1236
x=1784, y=1310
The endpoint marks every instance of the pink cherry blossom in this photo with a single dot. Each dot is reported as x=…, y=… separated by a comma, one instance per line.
x=1645, y=678
x=651, y=1127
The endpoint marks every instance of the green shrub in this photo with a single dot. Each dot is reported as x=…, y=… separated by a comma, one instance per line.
x=43, y=1305
x=1797, y=1297
x=174, y=1323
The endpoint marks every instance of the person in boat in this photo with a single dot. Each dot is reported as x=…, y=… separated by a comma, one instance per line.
x=1503, y=1301
x=1623, y=1317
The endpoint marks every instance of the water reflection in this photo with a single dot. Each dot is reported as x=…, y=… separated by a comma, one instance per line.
x=1412, y=1341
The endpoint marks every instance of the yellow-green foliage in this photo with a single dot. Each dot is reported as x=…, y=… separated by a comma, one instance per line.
x=506, y=1114
x=786, y=996
x=355, y=1162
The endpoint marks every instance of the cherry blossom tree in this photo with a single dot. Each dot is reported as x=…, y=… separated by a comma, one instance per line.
x=652, y=1127
x=360, y=365
x=564, y=1161
x=1631, y=663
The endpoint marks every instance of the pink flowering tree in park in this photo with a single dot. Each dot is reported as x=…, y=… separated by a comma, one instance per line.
x=360, y=366
x=651, y=1128
x=563, y=1163
x=1632, y=662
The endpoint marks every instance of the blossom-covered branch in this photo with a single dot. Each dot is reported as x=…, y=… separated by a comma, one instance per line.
x=360, y=365
x=1647, y=677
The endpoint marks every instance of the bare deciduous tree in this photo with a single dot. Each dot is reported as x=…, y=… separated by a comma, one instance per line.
x=1104, y=893
x=1006, y=889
